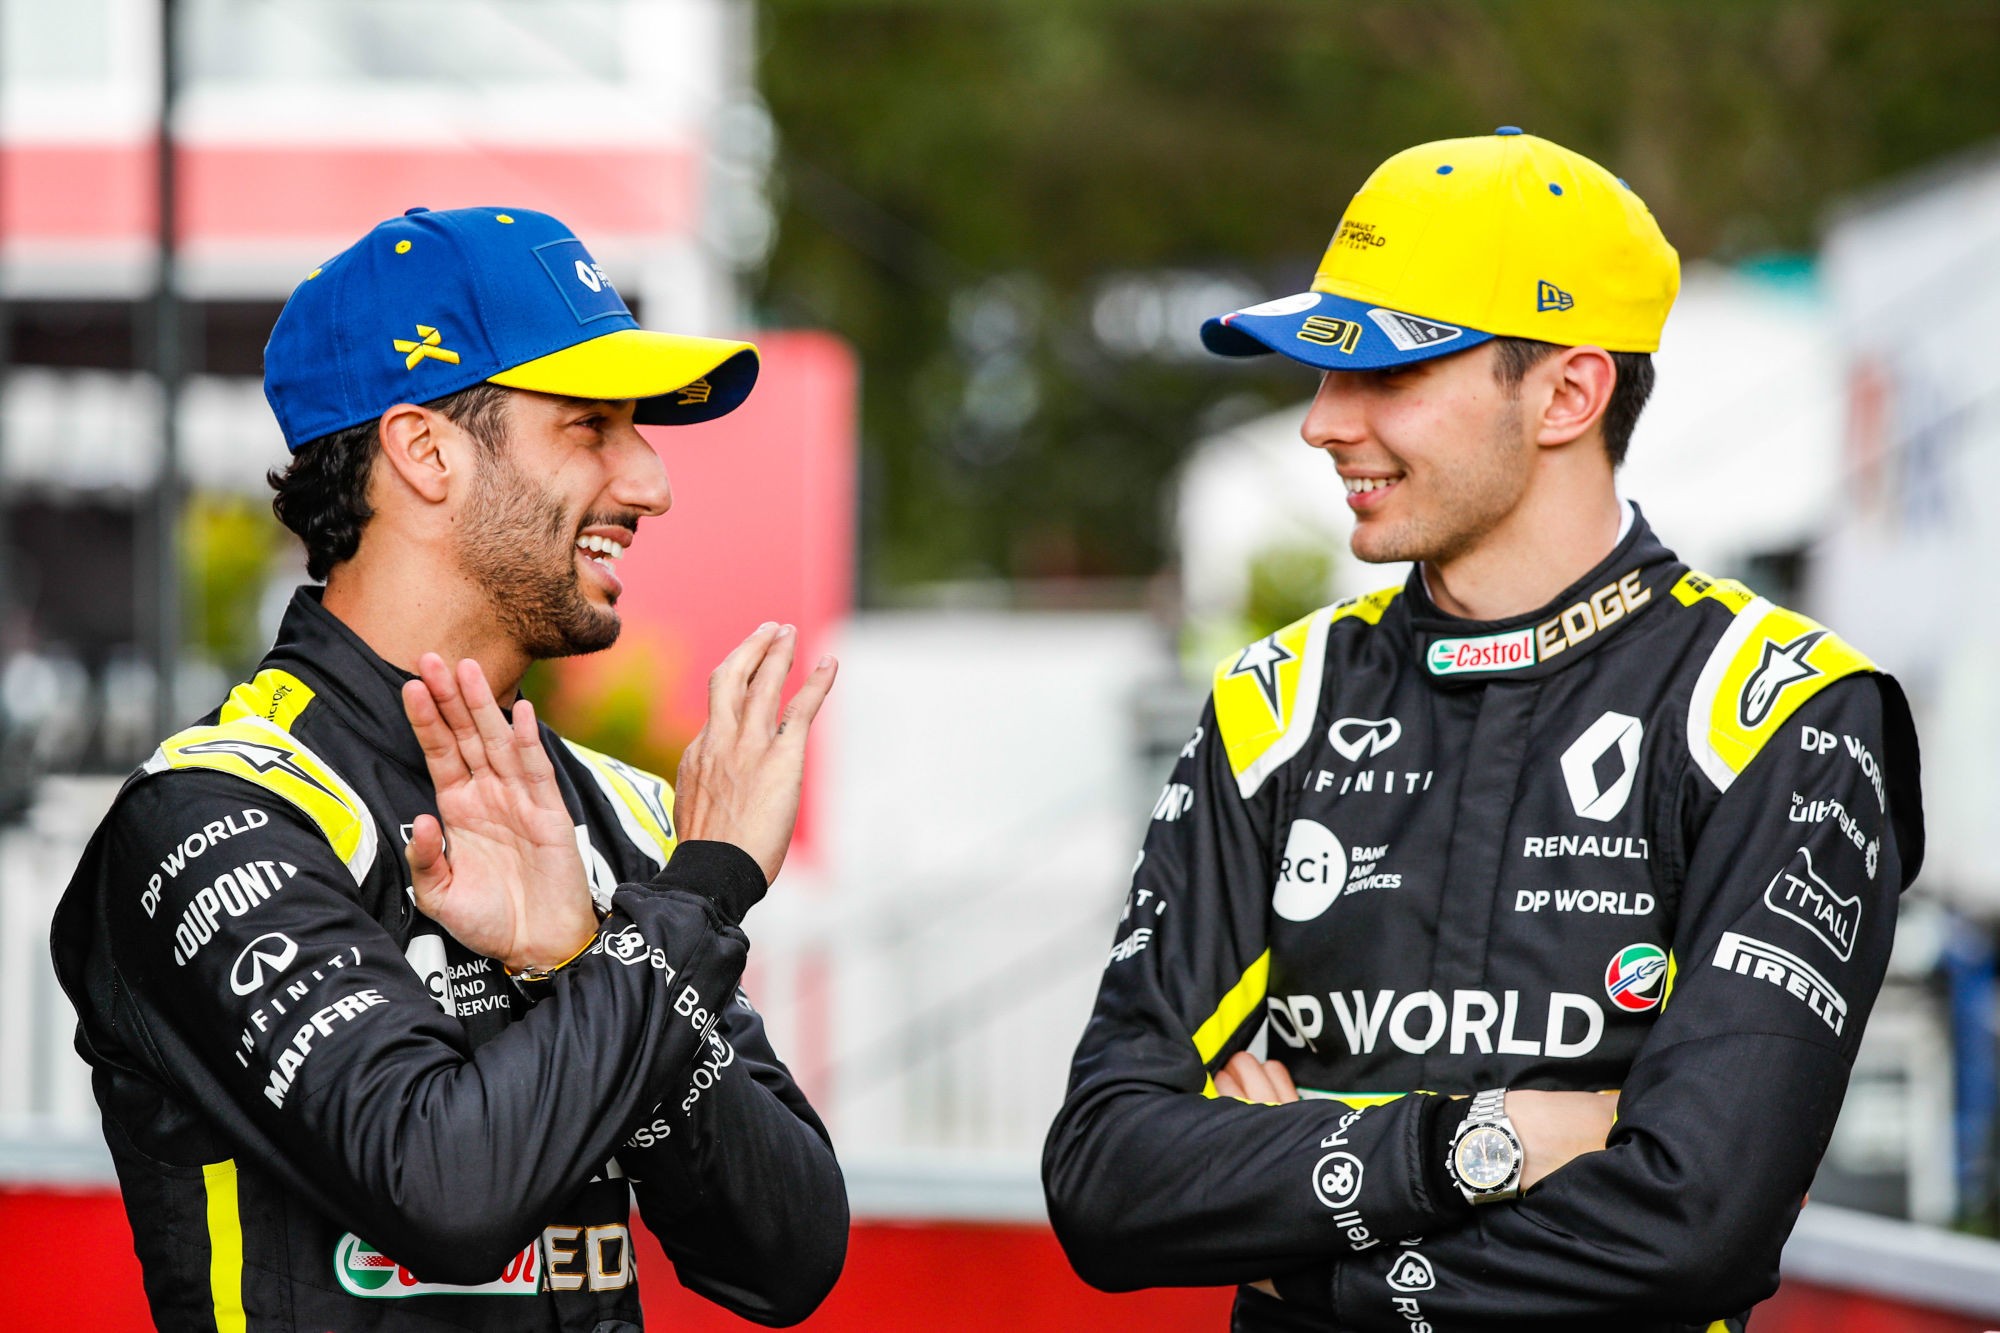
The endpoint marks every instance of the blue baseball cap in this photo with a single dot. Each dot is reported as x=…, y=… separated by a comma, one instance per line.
x=433, y=302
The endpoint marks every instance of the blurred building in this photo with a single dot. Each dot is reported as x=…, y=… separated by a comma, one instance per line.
x=298, y=127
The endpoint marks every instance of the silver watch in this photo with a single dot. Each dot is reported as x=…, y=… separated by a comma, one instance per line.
x=1486, y=1156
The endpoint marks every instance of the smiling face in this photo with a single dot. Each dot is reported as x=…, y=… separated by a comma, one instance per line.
x=551, y=510
x=1435, y=455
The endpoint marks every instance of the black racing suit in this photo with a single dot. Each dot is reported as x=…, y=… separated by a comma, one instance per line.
x=1648, y=838
x=326, y=1113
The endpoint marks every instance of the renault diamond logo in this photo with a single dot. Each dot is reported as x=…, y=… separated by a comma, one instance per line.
x=1357, y=738
x=1600, y=766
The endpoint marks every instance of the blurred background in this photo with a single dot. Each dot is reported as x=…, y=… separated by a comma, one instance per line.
x=990, y=466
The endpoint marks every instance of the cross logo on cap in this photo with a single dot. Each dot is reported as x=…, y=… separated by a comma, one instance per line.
x=430, y=346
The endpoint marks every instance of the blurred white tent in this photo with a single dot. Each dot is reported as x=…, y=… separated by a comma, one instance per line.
x=1738, y=454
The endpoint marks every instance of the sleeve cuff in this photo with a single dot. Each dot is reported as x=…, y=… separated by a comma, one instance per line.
x=1442, y=1121
x=721, y=872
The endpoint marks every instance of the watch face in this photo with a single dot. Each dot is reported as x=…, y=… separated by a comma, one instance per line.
x=1484, y=1158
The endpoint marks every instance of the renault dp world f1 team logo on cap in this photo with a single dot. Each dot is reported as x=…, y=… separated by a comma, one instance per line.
x=1633, y=979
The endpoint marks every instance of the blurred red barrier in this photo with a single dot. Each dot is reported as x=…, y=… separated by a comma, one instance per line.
x=66, y=1262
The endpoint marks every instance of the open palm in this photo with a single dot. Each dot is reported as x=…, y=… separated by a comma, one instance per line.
x=503, y=873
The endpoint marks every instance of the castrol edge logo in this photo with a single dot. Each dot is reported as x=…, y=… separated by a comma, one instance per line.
x=1514, y=649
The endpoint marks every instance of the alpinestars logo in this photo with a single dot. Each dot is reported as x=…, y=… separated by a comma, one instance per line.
x=1599, y=767
x=1410, y=333
x=264, y=758
x=1784, y=665
x=1262, y=660
x=1357, y=738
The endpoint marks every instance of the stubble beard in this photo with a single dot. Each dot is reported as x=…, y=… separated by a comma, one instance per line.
x=519, y=545
x=1462, y=505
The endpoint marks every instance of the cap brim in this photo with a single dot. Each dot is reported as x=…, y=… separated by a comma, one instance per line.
x=1335, y=333
x=677, y=379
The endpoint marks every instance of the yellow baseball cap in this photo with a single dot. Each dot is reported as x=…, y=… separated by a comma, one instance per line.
x=1452, y=243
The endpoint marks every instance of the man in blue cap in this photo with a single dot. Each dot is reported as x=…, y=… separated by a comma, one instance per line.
x=395, y=1000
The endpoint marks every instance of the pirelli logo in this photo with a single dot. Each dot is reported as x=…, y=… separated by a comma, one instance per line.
x=1750, y=957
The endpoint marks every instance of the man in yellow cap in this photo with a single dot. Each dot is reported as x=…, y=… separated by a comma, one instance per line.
x=1502, y=941
x=397, y=1001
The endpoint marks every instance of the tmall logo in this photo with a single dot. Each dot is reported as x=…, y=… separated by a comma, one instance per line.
x=1357, y=738
x=1600, y=766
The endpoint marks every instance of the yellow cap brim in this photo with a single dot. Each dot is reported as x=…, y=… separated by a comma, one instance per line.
x=677, y=379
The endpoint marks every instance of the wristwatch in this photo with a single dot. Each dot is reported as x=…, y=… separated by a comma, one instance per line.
x=1486, y=1156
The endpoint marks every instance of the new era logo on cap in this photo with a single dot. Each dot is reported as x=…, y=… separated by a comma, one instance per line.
x=1410, y=333
x=1548, y=296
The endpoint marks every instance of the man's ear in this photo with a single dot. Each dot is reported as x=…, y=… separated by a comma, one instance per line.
x=412, y=441
x=1578, y=382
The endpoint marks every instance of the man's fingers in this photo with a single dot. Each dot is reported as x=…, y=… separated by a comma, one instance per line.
x=1227, y=1086
x=1253, y=1079
x=440, y=746
x=496, y=737
x=727, y=682
x=804, y=707
x=767, y=683
x=1281, y=1080
x=535, y=765
x=438, y=679
x=430, y=871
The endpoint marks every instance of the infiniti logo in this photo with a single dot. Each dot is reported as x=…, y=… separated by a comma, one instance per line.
x=274, y=952
x=1356, y=738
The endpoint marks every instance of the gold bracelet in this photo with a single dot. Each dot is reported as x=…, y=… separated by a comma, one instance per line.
x=544, y=973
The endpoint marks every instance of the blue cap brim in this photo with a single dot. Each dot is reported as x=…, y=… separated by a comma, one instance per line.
x=1334, y=333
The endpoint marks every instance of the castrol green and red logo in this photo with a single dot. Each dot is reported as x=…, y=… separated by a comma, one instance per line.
x=1636, y=976
x=365, y=1271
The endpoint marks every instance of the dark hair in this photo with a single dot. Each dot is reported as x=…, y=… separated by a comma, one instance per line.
x=1629, y=392
x=322, y=494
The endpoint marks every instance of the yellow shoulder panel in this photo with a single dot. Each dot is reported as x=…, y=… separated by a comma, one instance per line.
x=249, y=747
x=276, y=696
x=644, y=803
x=1267, y=695
x=1766, y=664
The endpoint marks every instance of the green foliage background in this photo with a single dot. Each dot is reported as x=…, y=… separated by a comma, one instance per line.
x=996, y=158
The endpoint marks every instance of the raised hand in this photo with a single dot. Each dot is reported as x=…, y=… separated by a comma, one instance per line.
x=739, y=779
x=503, y=873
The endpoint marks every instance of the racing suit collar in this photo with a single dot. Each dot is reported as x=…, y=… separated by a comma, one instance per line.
x=348, y=675
x=1454, y=652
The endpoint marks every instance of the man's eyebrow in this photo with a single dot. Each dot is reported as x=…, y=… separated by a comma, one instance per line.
x=577, y=404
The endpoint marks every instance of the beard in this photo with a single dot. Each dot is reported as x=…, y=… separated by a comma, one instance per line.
x=521, y=547
x=1462, y=503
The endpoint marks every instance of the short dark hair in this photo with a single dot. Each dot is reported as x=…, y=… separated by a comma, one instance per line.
x=322, y=494
x=1633, y=386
